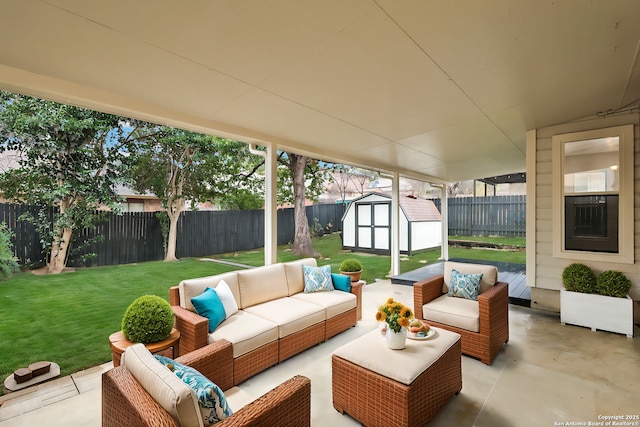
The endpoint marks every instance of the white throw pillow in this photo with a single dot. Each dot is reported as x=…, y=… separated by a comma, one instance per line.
x=226, y=296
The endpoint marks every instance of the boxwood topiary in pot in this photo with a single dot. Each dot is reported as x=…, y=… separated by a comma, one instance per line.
x=147, y=320
x=613, y=283
x=351, y=267
x=579, y=278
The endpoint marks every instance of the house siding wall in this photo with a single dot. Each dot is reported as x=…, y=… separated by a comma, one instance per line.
x=548, y=269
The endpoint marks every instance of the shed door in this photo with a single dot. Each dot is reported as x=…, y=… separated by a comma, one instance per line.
x=373, y=224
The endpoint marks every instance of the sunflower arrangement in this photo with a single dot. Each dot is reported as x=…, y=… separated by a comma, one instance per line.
x=395, y=314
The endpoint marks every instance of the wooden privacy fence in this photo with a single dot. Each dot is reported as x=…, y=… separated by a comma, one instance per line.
x=137, y=237
x=487, y=216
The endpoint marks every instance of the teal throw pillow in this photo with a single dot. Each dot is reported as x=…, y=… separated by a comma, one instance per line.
x=464, y=285
x=213, y=404
x=209, y=305
x=341, y=282
x=317, y=278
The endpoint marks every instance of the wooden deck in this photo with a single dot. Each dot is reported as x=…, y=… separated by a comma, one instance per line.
x=513, y=274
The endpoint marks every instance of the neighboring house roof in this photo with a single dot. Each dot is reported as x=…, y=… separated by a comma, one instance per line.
x=127, y=192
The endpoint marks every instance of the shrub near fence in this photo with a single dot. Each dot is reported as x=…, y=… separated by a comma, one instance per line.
x=136, y=237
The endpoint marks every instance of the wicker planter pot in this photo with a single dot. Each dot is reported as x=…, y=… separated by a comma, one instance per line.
x=355, y=275
x=597, y=312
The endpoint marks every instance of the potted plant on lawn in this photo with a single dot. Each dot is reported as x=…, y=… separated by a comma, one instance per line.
x=600, y=302
x=352, y=268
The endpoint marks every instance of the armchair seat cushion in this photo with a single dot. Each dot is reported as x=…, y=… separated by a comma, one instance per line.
x=290, y=314
x=246, y=332
x=459, y=312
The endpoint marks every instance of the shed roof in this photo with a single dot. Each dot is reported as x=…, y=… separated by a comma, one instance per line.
x=415, y=209
x=419, y=209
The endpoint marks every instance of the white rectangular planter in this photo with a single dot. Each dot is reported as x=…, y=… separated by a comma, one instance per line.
x=597, y=312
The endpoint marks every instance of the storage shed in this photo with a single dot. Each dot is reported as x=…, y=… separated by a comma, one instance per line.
x=366, y=224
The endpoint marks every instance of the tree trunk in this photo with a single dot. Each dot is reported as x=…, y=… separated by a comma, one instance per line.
x=172, y=238
x=173, y=211
x=61, y=241
x=59, y=249
x=302, y=240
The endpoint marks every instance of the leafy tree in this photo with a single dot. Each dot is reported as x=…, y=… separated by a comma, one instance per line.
x=341, y=176
x=68, y=158
x=8, y=263
x=242, y=199
x=361, y=178
x=183, y=167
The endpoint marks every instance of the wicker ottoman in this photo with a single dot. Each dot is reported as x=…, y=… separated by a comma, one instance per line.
x=382, y=387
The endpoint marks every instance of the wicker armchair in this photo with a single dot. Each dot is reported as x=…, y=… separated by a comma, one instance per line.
x=493, y=307
x=125, y=403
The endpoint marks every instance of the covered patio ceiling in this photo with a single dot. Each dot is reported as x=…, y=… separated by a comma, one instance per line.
x=440, y=91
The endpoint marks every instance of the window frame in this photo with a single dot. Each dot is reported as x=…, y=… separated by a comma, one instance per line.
x=626, y=230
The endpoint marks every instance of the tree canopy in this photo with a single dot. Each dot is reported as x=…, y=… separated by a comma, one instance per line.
x=68, y=158
x=182, y=167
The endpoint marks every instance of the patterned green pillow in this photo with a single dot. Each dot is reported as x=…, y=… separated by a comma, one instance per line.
x=464, y=285
x=317, y=278
x=213, y=404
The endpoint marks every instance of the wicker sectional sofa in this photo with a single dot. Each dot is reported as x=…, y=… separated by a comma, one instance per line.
x=276, y=318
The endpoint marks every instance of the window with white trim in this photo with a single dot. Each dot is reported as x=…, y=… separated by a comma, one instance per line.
x=593, y=195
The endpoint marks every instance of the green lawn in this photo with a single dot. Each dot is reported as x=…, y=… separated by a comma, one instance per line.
x=67, y=318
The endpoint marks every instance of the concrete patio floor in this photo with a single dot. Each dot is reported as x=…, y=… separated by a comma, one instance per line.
x=547, y=375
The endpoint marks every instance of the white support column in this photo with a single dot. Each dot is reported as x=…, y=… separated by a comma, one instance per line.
x=271, y=207
x=395, y=224
x=444, y=214
x=270, y=202
x=532, y=141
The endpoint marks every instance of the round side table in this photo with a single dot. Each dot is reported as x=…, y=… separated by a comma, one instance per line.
x=119, y=343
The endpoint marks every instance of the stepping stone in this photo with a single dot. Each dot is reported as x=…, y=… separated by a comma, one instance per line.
x=40, y=368
x=22, y=375
x=10, y=383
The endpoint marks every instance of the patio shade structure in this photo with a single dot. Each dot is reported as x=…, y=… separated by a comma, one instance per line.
x=438, y=91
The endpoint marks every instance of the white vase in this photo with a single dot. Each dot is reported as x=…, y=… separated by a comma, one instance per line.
x=396, y=340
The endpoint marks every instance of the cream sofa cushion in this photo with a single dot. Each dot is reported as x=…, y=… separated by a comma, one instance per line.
x=262, y=284
x=459, y=312
x=193, y=287
x=164, y=386
x=295, y=278
x=333, y=302
x=489, y=274
x=246, y=332
x=290, y=314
